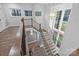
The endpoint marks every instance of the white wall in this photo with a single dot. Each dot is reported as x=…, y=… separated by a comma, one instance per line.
x=44, y=8
x=38, y=7
x=71, y=37
x=49, y=8
x=15, y=20
x=3, y=19
x=63, y=6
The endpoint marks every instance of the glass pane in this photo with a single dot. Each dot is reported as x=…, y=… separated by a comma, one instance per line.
x=58, y=19
x=65, y=19
x=29, y=13
x=26, y=13
x=16, y=12
x=13, y=12
x=37, y=13
x=66, y=15
x=19, y=12
x=60, y=40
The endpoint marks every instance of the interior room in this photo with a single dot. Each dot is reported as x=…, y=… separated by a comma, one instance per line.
x=39, y=29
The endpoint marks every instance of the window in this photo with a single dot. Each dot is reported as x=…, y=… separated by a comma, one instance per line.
x=63, y=26
x=58, y=17
x=66, y=15
x=28, y=13
x=18, y=12
x=65, y=19
x=57, y=37
x=38, y=13
x=15, y=12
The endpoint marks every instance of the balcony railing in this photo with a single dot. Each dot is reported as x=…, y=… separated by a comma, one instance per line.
x=27, y=23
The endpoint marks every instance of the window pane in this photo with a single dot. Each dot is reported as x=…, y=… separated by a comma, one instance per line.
x=28, y=13
x=15, y=12
x=37, y=13
x=65, y=19
x=19, y=12
x=66, y=15
x=60, y=40
x=58, y=19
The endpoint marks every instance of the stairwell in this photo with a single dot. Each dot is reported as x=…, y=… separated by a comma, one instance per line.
x=46, y=45
x=45, y=48
x=50, y=47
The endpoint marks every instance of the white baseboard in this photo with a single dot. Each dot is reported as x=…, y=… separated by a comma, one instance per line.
x=3, y=28
x=67, y=52
x=6, y=28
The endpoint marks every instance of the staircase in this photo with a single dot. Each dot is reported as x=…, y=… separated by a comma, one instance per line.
x=51, y=49
x=48, y=47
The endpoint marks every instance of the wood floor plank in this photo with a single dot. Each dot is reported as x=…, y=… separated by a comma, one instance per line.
x=8, y=39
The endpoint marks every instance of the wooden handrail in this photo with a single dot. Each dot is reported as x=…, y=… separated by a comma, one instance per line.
x=23, y=41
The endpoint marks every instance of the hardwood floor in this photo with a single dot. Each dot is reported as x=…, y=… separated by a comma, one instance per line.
x=75, y=53
x=9, y=42
x=36, y=50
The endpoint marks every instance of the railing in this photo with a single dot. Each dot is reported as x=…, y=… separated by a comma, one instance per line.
x=28, y=23
x=23, y=41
